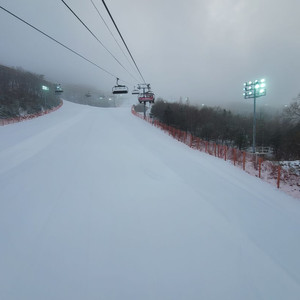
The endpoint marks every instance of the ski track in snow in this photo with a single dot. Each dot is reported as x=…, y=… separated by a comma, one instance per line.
x=98, y=204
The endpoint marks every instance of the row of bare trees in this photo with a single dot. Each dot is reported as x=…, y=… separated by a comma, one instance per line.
x=281, y=132
x=21, y=93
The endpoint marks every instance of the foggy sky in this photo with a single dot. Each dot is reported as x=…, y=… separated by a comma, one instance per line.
x=201, y=49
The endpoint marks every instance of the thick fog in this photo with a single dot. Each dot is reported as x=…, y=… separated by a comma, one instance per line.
x=202, y=50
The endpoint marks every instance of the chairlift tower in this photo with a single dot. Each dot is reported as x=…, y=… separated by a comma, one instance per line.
x=146, y=96
x=254, y=89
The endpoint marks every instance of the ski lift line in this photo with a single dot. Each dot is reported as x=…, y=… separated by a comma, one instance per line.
x=122, y=39
x=56, y=41
x=112, y=35
x=96, y=37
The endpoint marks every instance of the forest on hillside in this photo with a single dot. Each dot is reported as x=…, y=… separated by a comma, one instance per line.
x=22, y=93
x=281, y=132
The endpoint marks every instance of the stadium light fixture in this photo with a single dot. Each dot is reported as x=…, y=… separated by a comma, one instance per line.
x=254, y=89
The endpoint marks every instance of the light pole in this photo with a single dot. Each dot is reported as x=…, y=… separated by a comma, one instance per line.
x=45, y=89
x=254, y=89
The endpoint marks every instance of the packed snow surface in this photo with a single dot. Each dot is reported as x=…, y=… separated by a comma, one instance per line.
x=98, y=204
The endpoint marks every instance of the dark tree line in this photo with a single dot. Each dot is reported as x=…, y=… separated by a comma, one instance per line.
x=223, y=127
x=21, y=93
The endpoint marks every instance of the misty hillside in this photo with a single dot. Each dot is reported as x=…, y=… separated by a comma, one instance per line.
x=21, y=93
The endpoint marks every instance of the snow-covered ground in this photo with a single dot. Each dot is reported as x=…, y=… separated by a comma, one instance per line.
x=98, y=204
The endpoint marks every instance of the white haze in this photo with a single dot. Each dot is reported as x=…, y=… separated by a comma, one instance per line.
x=201, y=50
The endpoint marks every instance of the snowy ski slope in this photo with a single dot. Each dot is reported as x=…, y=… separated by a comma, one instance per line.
x=98, y=204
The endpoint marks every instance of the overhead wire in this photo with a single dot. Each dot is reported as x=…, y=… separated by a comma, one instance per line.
x=97, y=38
x=111, y=32
x=56, y=41
x=111, y=17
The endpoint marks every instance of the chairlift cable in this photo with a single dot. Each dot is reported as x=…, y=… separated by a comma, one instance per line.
x=96, y=38
x=122, y=39
x=61, y=44
x=112, y=34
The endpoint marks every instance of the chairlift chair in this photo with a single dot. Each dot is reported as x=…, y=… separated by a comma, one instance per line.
x=119, y=89
x=58, y=89
x=135, y=91
x=147, y=97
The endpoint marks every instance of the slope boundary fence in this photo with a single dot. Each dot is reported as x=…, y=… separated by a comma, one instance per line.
x=272, y=172
x=29, y=117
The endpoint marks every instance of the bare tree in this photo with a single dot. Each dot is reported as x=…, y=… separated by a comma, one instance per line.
x=292, y=112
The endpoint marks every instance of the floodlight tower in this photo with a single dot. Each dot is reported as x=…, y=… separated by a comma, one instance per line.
x=45, y=89
x=254, y=89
